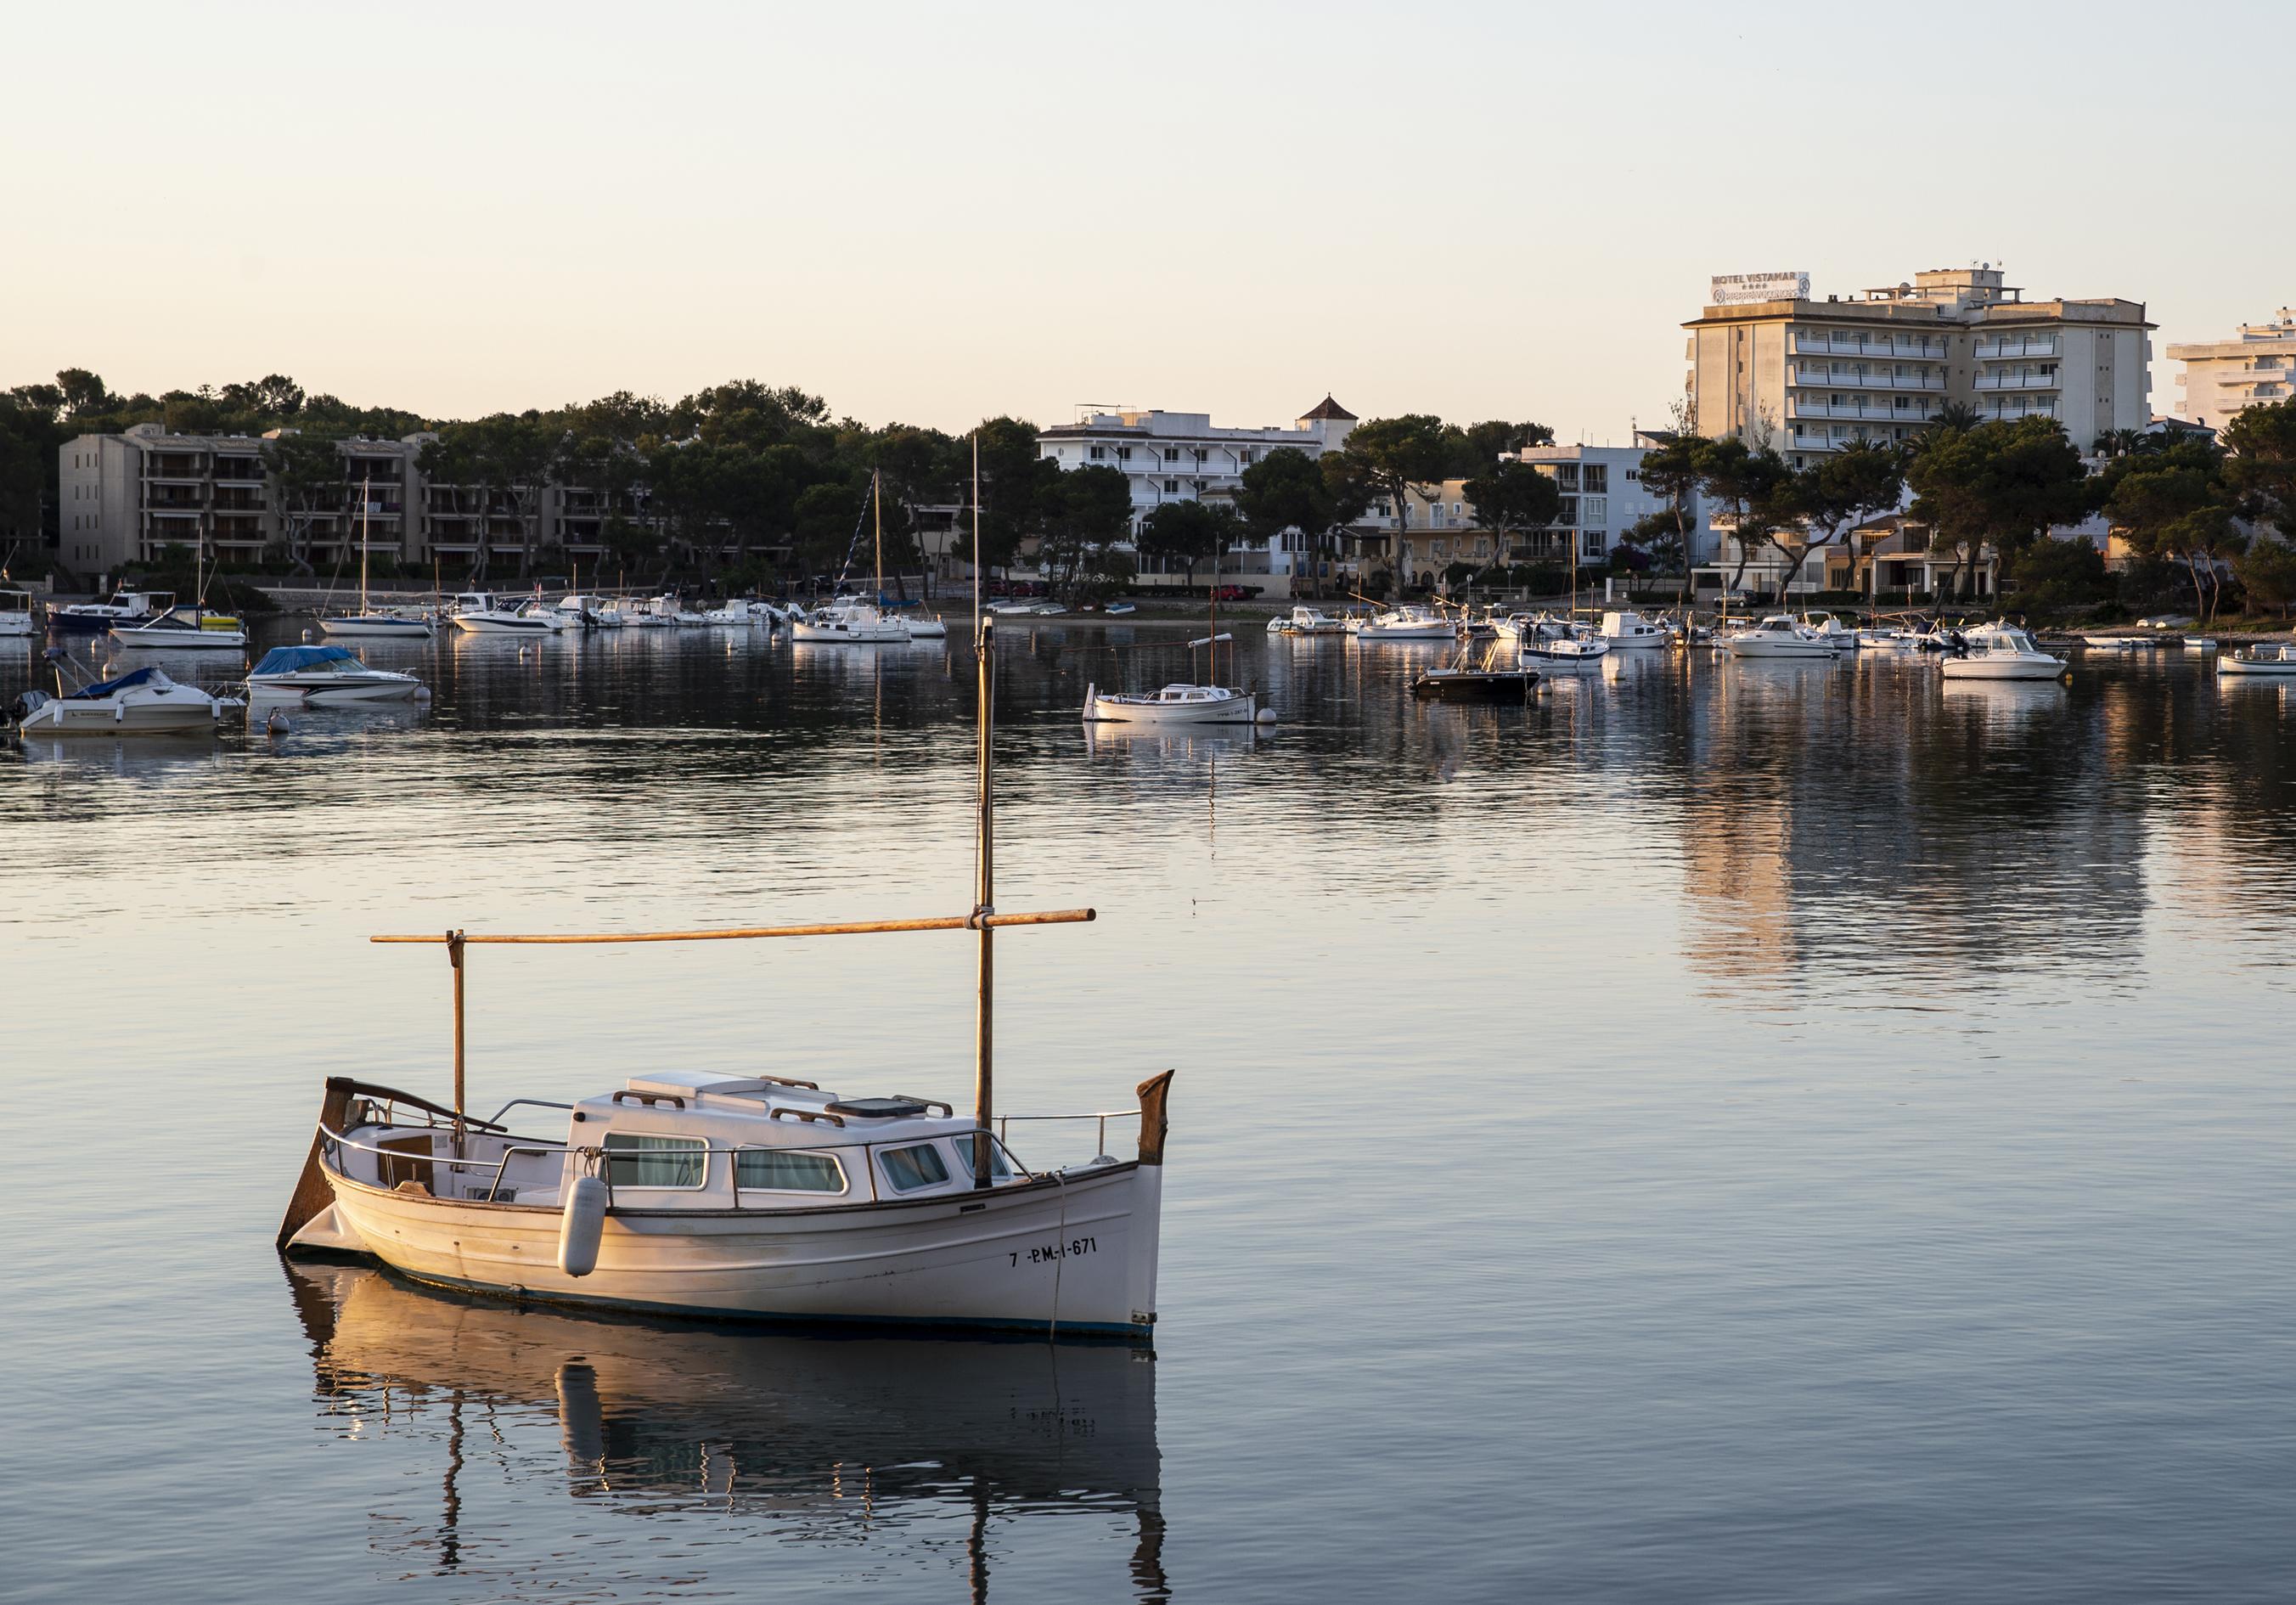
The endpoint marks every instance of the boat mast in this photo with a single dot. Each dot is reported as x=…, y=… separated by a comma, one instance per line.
x=877, y=501
x=366, y=506
x=984, y=896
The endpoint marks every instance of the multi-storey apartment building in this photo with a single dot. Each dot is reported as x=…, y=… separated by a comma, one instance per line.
x=124, y=497
x=2223, y=378
x=1810, y=376
x=1184, y=457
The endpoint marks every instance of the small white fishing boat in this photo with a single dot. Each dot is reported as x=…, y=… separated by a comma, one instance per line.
x=758, y=1196
x=1778, y=637
x=1558, y=645
x=1624, y=630
x=1173, y=705
x=483, y=613
x=2200, y=643
x=1047, y=610
x=924, y=630
x=1870, y=637
x=2263, y=662
x=1409, y=621
x=733, y=613
x=16, y=614
x=2114, y=643
x=326, y=677
x=1121, y=609
x=186, y=629
x=2003, y=652
x=143, y=701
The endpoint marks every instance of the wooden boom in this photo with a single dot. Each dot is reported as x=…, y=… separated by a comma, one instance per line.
x=845, y=928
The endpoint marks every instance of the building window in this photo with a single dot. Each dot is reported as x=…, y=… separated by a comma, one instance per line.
x=1171, y=488
x=1595, y=477
x=1099, y=453
x=1202, y=455
x=1124, y=453
x=1246, y=455
x=1594, y=543
x=1634, y=476
x=1566, y=475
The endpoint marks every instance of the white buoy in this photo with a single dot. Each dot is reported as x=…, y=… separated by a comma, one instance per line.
x=276, y=725
x=421, y=694
x=307, y=634
x=580, y=1225
x=1266, y=716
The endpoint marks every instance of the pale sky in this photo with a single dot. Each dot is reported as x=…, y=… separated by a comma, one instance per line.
x=933, y=213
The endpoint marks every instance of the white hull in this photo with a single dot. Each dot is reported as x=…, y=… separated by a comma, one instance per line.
x=380, y=626
x=875, y=635
x=983, y=1258
x=2266, y=667
x=1407, y=631
x=1103, y=708
x=183, y=641
x=480, y=624
x=2002, y=666
x=1740, y=647
x=17, y=623
x=334, y=692
x=926, y=629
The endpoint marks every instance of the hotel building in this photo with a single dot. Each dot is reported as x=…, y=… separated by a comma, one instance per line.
x=2222, y=378
x=1811, y=376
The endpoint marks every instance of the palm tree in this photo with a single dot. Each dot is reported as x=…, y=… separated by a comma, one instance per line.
x=1956, y=415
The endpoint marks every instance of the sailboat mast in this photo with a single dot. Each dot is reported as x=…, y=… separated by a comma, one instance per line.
x=984, y=896
x=366, y=506
x=877, y=501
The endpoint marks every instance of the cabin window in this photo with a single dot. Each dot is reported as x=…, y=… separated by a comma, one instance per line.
x=788, y=1170
x=638, y=1161
x=907, y=1169
x=998, y=1169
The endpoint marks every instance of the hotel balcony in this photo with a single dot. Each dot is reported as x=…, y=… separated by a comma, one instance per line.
x=1816, y=379
x=1870, y=412
x=2009, y=412
x=2028, y=380
x=1931, y=349
x=2001, y=351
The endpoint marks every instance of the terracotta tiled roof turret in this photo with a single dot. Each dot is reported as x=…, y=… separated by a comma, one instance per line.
x=1328, y=408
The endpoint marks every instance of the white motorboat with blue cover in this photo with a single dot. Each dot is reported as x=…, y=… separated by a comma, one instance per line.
x=326, y=677
x=743, y=1193
x=143, y=701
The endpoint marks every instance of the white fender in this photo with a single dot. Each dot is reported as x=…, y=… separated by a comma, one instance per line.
x=581, y=1224
x=1091, y=692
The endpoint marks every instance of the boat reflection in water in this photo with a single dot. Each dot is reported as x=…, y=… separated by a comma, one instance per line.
x=836, y=1443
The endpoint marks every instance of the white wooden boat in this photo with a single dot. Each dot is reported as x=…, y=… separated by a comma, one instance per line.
x=1778, y=637
x=2200, y=643
x=1173, y=705
x=16, y=614
x=1626, y=630
x=483, y=613
x=143, y=701
x=2114, y=643
x=1559, y=646
x=183, y=630
x=326, y=677
x=1408, y=622
x=735, y=1194
x=2003, y=652
x=2263, y=662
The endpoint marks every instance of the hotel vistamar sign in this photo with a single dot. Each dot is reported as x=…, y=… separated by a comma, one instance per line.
x=1729, y=289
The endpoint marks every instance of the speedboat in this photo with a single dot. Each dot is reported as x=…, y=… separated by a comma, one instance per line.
x=16, y=613
x=126, y=607
x=1779, y=636
x=738, y=1193
x=1622, y=629
x=1306, y=621
x=323, y=676
x=1831, y=631
x=482, y=613
x=183, y=630
x=143, y=701
x=2003, y=652
x=849, y=623
x=582, y=612
x=2261, y=660
x=1173, y=705
x=1410, y=621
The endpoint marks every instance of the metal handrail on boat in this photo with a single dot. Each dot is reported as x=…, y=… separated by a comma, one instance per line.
x=1103, y=1116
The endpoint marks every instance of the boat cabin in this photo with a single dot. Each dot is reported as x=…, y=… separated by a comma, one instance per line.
x=681, y=1140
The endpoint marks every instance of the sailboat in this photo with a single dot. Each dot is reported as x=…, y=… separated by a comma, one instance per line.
x=366, y=621
x=1562, y=644
x=741, y=1193
x=177, y=630
x=861, y=623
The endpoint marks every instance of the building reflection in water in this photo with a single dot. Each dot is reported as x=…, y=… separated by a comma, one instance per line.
x=844, y=1443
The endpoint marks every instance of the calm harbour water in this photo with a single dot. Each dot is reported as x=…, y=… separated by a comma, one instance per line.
x=1785, y=1132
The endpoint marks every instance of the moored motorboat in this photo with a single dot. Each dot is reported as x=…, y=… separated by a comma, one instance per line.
x=2003, y=652
x=124, y=608
x=16, y=613
x=2263, y=662
x=1831, y=630
x=1306, y=621
x=325, y=676
x=1778, y=637
x=483, y=613
x=847, y=624
x=1407, y=622
x=1624, y=630
x=2200, y=643
x=143, y=701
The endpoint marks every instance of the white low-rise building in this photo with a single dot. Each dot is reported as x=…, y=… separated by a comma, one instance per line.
x=1184, y=457
x=2224, y=378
